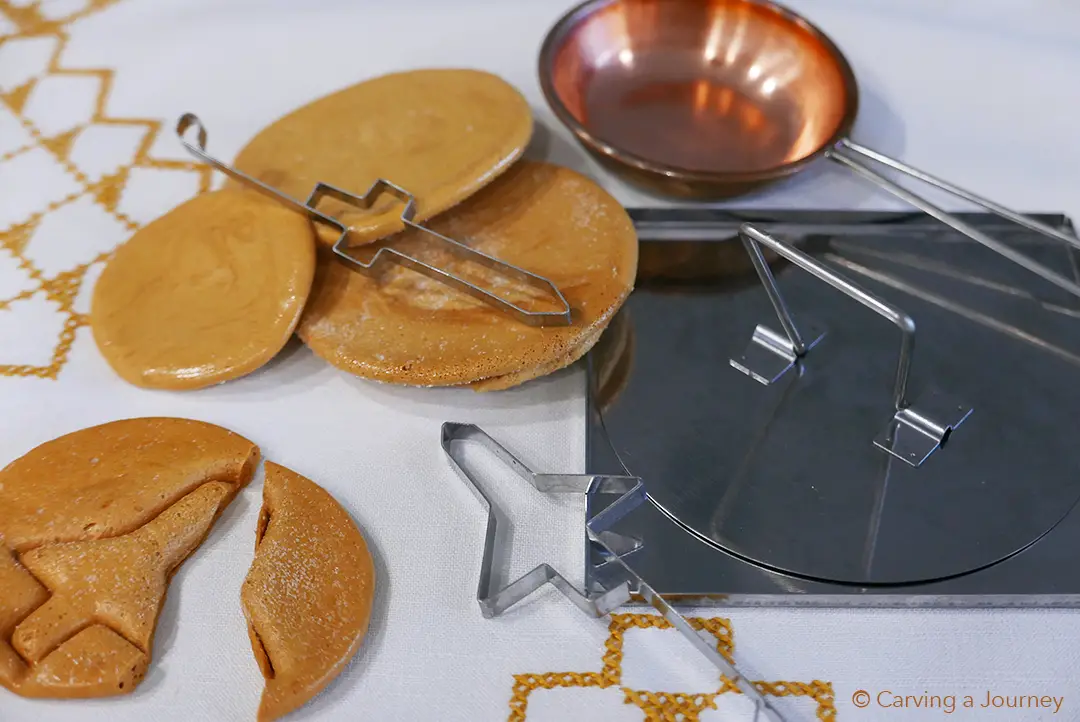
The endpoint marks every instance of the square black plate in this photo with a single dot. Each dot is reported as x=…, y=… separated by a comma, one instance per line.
x=654, y=396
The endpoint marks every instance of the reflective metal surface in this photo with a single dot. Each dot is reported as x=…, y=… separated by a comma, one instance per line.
x=613, y=357
x=761, y=492
x=697, y=97
x=913, y=432
x=714, y=98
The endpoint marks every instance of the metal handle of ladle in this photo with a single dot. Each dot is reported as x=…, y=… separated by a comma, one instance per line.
x=753, y=238
x=853, y=156
x=913, y=432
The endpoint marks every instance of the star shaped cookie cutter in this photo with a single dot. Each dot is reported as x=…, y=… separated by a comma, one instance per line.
x=494, y=600
x=380, y=187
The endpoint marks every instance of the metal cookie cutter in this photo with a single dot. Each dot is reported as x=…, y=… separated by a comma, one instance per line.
x=495, y=600
x=378, y=188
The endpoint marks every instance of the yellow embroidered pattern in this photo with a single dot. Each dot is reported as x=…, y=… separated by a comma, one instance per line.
x=663, y=706
x=31, y=22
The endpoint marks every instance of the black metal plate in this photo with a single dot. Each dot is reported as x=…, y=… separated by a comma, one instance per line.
x=812, y=502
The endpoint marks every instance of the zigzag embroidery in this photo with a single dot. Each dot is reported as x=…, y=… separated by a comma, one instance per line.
x=106, y=191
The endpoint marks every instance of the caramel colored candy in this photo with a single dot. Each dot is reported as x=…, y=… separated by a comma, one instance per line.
x=308, y=594
x=440, y=134
x=209, y=292
x=92, y=527
x=402, y=327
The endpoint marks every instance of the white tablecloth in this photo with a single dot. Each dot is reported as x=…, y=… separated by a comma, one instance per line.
x=981, y=92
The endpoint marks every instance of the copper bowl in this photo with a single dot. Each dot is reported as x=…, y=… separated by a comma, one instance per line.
x=704, y=99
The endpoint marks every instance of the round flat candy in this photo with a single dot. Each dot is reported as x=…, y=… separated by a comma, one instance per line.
x=209, y=292
x=440, y=134
x=399, y=326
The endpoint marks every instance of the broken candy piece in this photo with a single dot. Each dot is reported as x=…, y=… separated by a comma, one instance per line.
x=308, y=594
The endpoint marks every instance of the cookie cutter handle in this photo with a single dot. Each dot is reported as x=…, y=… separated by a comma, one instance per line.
x=913, y=432
x=762, y=707
x=562, y=317
x=188, y=121
x=631, y=495
x=853, y=156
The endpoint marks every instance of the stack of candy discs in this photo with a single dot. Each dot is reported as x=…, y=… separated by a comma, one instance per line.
x=215, y=288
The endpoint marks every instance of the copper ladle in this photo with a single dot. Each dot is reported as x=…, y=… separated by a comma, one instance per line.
x=711, y=99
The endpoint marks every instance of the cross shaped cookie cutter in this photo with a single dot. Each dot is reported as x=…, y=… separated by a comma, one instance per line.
x=494, y=600
x=562, y=317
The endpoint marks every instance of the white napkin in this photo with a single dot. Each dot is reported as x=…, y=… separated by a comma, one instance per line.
x=119, y=72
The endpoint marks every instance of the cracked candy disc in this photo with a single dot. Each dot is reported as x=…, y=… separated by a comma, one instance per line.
x=399, y=326
x=92, y=527
x=441, y=134
x=308, y=595
x=209, y=292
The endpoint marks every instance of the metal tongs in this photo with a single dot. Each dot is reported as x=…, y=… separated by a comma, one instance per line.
x=378, y=188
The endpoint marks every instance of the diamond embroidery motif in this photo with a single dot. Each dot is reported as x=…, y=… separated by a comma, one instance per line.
x=15, y=280
x=73, y=235
x=151, y=192
x=28, y=331
x=70, y=174
x=59, y=103
x=32, y=181
x=23, y=59
x=61, y=9
x=102, y=150
x=13, y=136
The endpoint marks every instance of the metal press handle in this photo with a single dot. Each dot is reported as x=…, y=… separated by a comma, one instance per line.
x=753, y=239
x=853, y=156
x=912, y=433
